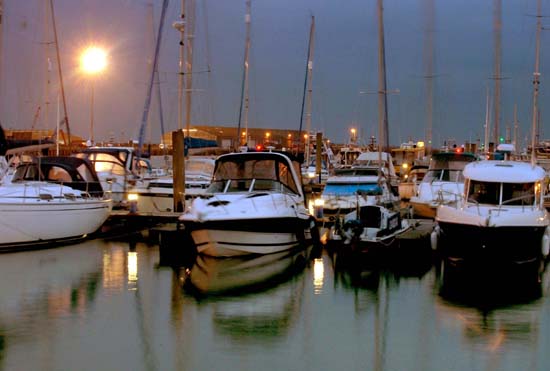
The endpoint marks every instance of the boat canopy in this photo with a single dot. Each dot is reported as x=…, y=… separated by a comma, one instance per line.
x=265, y=166
x=70, y=171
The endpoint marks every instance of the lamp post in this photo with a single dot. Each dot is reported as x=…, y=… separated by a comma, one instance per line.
x=92, y=62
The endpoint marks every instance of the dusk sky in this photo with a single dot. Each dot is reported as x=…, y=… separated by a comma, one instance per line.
x=345, y=72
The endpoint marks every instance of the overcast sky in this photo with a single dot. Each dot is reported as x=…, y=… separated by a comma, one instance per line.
x=344, y=74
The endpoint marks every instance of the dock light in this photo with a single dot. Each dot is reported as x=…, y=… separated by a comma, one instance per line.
x=132, y=201
x=315, y=208
x=405, y=165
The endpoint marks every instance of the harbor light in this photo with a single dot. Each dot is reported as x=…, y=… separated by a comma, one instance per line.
x=93, y=60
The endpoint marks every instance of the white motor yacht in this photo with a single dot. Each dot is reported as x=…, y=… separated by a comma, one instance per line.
x=255, y=205
x=501, y=218
x=443, y=183
x=156, y=198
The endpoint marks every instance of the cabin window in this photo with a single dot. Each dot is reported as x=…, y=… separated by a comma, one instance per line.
x=511, y=193
x=245, y=171
x=484, y=192
x=58, y=174
x=518, y=193
x=26, y=172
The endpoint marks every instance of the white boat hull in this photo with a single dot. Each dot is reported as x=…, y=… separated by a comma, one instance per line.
x=224, y=243
x=46, y=222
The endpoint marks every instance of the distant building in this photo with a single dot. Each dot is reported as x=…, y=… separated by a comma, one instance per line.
x=226, y=136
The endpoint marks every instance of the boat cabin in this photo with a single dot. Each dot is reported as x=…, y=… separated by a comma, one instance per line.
x=256, y=171
x=504, y=183
x=448, y=167
x=70, y=171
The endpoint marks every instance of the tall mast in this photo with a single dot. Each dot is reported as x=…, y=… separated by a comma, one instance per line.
x=147, y=105
x=487, y=124
x=180, y=26
x=429, y=66
x=382, y=90
x=1, y=45
x=46, y=43
x=536, y=82
x=497, y=27
x=65, y=114
x=190, y=31
x=308, y=91
x=243, y=110
x=516, y=128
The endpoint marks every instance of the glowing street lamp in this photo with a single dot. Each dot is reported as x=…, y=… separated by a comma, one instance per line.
x=93, y=61
x=353, y=137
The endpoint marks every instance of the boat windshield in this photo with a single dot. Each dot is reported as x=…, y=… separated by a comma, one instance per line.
x=352, y=188
x=444, y=175
x=198, y=166
x=252, y=174
x=104, y=162
x=503, y=193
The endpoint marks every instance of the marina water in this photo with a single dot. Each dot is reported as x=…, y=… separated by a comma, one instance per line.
x=109, y=305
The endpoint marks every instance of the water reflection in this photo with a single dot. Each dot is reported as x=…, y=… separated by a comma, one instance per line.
x=251, y=298
x=41, y=287
x=240, y=275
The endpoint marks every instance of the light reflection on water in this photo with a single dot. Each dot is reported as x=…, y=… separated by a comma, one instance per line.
x=108, y=305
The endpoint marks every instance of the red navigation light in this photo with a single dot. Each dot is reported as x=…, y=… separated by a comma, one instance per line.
x=459, y=150
x=259, y=147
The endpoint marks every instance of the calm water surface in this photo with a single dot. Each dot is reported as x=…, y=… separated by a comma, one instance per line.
x=106, y=305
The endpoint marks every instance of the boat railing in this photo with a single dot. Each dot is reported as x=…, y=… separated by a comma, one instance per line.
x=529, y=205
x=441, y=199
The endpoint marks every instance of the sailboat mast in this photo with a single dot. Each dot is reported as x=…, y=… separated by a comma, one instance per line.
x=145, y=113
x=190, y=29
x=516, y=127
x=180, y=26
x=429, y=66
x=243, y=110
x=1, y=45
x=306, y=101
x=536, y=82
x=382, y=89
x=487, y=123
x=65, y=115
x=497, y=27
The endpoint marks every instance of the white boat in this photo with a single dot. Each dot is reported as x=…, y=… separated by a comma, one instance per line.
x=310, y=174
x=371, y=231
x=119, y=170
x=408, y=185
x=156, y=198
x=349, y=190
x=501, y=218
x=256, y=206
x=443, y=183
x=49, y=201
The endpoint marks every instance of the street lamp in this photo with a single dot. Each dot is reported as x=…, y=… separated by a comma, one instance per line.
x=353, y=137
x=93, y=61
